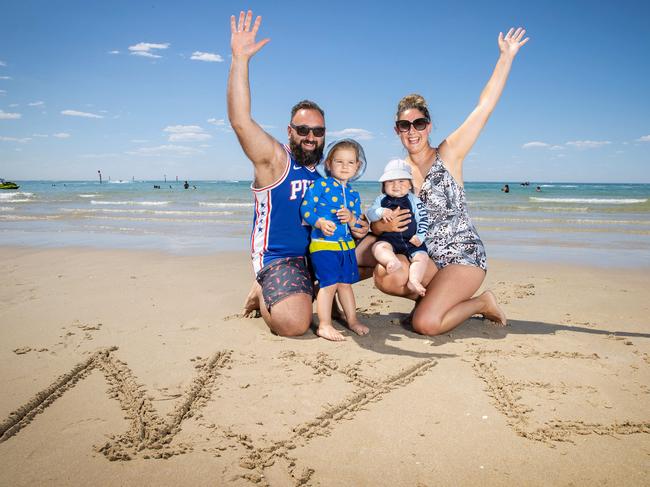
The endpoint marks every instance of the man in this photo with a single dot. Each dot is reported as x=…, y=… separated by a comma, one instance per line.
x=279, y=241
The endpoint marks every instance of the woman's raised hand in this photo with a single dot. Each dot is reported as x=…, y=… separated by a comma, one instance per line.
x=512, y=41
x=242, y=38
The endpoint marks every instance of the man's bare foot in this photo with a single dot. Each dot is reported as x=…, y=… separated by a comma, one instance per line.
x=327, y=331
x=393, y=266
x=415, y=286
x=252, y=303
x=493, y=311
x=358, y=328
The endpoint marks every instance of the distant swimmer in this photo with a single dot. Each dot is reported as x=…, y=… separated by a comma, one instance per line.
x=538, y=189
x=156, y=186
x=186, y=185
x=506, y=188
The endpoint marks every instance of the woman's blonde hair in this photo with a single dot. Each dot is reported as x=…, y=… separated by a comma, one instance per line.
x=413, y=101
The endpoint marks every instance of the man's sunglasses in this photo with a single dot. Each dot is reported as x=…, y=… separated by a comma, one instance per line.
x=303, y=130
x=404, y=125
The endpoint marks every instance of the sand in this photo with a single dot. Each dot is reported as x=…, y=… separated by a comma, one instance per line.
x=135, y=368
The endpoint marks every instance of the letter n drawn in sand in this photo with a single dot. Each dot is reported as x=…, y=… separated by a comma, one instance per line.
x=148, y=432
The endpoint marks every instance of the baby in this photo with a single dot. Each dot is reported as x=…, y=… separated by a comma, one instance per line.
x=397, y=187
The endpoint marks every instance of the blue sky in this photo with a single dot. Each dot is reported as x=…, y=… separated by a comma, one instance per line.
x=138, y=89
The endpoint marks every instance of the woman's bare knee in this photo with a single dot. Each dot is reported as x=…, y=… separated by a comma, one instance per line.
x=429, y=325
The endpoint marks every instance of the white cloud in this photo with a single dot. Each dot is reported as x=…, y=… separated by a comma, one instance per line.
x=166, y=150
x=206, y=56
x=144, y=49
x=588, y=144
x=2, y=63
x=61, y=135
x=556, y=147
x=359, y=134
x=14, y=139
x=40, y=135
x=224, y=126
x=99, y=156
x=36, y=104
x=9, y=116
x=6, y=77
x=186, y=133
x=534, y=144
x=113, y=52
x=75, y=113
x=189, y=137
x=3, y=92
x=182, y=129
x=146, y=54
x=645, y=138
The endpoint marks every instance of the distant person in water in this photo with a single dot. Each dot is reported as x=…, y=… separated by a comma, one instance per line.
x=538, y=189
x=186, y=185
x=506, y=188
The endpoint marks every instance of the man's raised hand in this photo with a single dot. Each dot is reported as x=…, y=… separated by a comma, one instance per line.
x=242, y=38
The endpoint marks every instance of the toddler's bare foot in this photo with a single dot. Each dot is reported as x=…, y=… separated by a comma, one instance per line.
x=393, y=266
x=358, y=328
x=328, y=332
x=415, y=286
x=493, y=311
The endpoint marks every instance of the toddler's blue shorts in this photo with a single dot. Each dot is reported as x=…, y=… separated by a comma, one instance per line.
x=335, y=266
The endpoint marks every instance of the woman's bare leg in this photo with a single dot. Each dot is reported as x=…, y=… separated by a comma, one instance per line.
x=324, y=308
x=365, y=260
x=396, y=284
x=346, y=297
x=383, y=252
x=417, y=270
x=448, y=301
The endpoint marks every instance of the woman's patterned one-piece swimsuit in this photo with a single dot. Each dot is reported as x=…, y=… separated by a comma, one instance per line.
x=452, y=238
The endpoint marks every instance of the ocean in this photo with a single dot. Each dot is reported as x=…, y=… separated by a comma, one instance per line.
x=592, y=224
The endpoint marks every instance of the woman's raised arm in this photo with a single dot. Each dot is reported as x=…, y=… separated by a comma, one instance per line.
x=454, y=149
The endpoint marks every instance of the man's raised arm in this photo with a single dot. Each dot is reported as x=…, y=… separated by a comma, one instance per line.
x=266, y=153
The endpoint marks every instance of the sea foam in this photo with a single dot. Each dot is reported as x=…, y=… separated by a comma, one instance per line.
x=595, y=201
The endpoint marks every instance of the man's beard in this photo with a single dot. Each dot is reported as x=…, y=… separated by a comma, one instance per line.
x=303, y=157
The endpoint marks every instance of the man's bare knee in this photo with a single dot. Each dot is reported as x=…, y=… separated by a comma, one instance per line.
x=292, y=316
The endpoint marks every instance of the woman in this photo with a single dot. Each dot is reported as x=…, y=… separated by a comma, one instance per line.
x=452, y=241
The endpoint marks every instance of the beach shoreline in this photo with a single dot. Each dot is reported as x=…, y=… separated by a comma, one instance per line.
x=560, y=396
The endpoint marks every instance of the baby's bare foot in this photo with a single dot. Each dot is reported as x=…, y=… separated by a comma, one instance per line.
x=359, y=328
x=328, y=332
x=415, y=286
x=393, y=266
x=493, y=311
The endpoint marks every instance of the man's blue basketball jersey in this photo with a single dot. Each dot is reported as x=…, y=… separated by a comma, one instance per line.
x=278, y=230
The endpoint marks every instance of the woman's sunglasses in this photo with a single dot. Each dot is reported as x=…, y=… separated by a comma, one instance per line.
x=303, y=130
x=405, y=125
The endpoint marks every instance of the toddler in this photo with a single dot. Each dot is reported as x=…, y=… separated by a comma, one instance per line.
x=332, y=207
